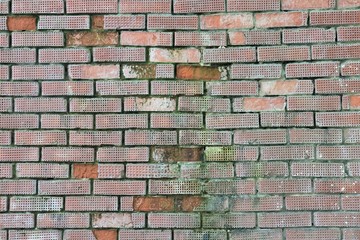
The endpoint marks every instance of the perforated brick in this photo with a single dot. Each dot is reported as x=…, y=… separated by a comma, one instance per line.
x=229, y=55
x=308, y=35
x=64, y=187
x=94, y=138
x=255, y=37
x=4, y=7
x=351, y=233
x=207, y=170
x=284, y=185
x=259, y=104
x=288, y=119
x=226, y=121
x=67, y=121
x=35, y=234
x=4, y=40
x=63, y=22
x=329, y=86
x=169, y=120
x=124, y=21
x=262, y=203
x=348, y=34
x=111, y=171
x=229, y=220
x=276, y=169
x=317, y=169
x=145, y=6
x=350, y=202
x=338, y=152
x=97, y=105
x=349, y=51
x=38, y=72
x=299, y=5
x=230, y=187
x=203, y=104
x=194, y=6
x=173, y=220
x=304, y=135
x=19, y=154
x=112, y=54
x=63, y=220
x=185, y=22
x=5, y=137
x=170, y=187
x=40, y=137
x=275, y=234
x=340, y=185
x=233, y=88
x=249, y=5
x=37, y=39
x=122, y=121
x=6, y=104
x=287, y=152
x=36, y=6
x=17, y=55
x=133, y=38
x=283, y=53
x=313, y=103
x=352, y=135
x=67, y=154
x=152, y=170
x=66, y=55
x=257, y=137
x=26, y=204
x=6, y=171
x=280, y=19
x=200, y=39
x=226, y=21
x=4, y=72
x=339, y=219
x=91, y=6
x=338, y=119
x=17, y=220
x=150, y=137
x=193, y=137
x=307, y=70
x=334, y=17
x=20, y=121
x=19, y=88
x=288, y=219
x=315, y=233
x=105, y=88
x=130, y=234
x=115, y=154
x=175, y=55
x=69, y=88
x=176, y=88
x=84, y=71
x=350, y=68
x=91, y=203
x=116, y=187
x=42, y=170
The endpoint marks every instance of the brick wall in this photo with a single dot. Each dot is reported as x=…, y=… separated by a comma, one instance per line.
x=180, y=119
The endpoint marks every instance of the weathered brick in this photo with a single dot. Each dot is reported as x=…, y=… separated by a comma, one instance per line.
x=132, y=38
x=116, y=187
x=69, y=88
x=174, y=187
x=226, y=21
x=36, y=6
x=202, y=38
x=186, y=55
x=146, y=71
x=282, y=19
x=255, y=37
x=207, y=170
x=157, y=204
x=176, y=154
x=286, y=87
x=144, y=6
x=307, y=4
x=89, y=39
x=91, y=6
x=65, y=55
x=190, y=72
x=94, y=71
x=112, y=54
x=276, y=169
x=121, y=121
x=229, y=220
x=255, y=104
x=63, y=22
x=283, y=53
x=334, y=17
x=308, y=35
x=21, y=23
x=321, y=233
x=183, y=22
x=122, y=22
x=232, y=153
x=63, y=220
x=149, y=104
x=287, y=219
x=230, y=187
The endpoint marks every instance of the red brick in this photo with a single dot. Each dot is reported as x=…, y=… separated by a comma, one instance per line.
x=283, y=53
x=350, y=202
x=122, y=88
x=255, y=37
x=19, y=234
x=194, y=137
x=66, y=121
x=144, y=234
x=174, y=187
x=288, y=119
x=146, y=38
x=348, y=34
x=348, y=3
x=353, y=168
x=284, y=185
x=65, y=55
x=334, y=17
x=18, y=187
x=229, y=220
x=17, y=220
x=91, y=203
x=233, y=54
x=149, y=104
x=255, y=104
x=90, y=39
x=286, y=87
x=313, y=103
x=40, y=104
x=69, y=88
x=233, y=187
x=91, y=6
x=250, y=5
x=6, y=171
x=341, y=185
x=336, y=219
x=351, y=135
x=21, y=23
x=217, y=38
x=146, y=170
x=63, y=22
x=153, y=204
x=282, y=19
x=287, y=152
x=4, y=40
x=42, y=170
x=307, y=70
x=94, y=71
x=150, y=137
x=145, y=6
x=123, y=22
x=304, y=135
x=37, y=39
x=4, y=72
x=257, y=137
x=121, y=121
x=37, y=7
x=188, y=6
x=177, y=88
x=122, y=220
x=350, y=69
x=170, y=120
x=286, y=219
x=351, y=233
x=275, y=169
x=97, y=105
x=94, y=138
x=4, y=7
x=115, y=154
x=338, y=119
x=63, y=220
x=31, y=204
x=40, y=137
x=329, y=86
x=225, y=121
x=38, y=72
x=173, y=220
x=233, y=153
x=348, y=51
x=226, y=21
x=108, y=234
x=111, y=171
x=308, y=35
x=19, y=121
x=274, y=234
x=17, y=55
x=232, y=88
x=207, y=170
x=313, y=233
x=203, y=104
x=186, y=55
x=183, y=22
x=67, y=154
x=63, y=187
x=112, y=54
x=17, y=154
x=190, y=72
x=119, y=187
x=263, y=203
x=317, y=169
x=338, y=152
x=146, y=71
x=307, y=4
x=6, y=104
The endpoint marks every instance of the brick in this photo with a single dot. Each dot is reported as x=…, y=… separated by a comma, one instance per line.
x=336, y=219
x=320, y=233
x=348, y=34
x=112, y=54
x=207, y=170
x=202, y=204
x=230, y=187
x=40, y=137
x=21, y=23
x=189, y=72
x=149, y=104
x=334, y=17
x=132, y=38
x=276, y=169
x=193, y=137
x=18, y=187
x=286, y=87
x=65, y=55
x=5, y=137
x=4, y=9
x=229, y=220
x=169, y=120
x=255, y=71
x=254, y=104
x=339, y=152
x=66, y=121
x=63, y=22
x=307, y=70
x=338, y=119
x=116, y=154
x=283, y=53
x=91, y=6
x=6, y=172
x=19, y=121
x=186, y=55
x=203, y=104
x=146, y=71
x=287, y=219
x=111, y=171
x=174, y=187
x=150, y=137
x=351, y=233
x=118, y=220
x=36, y=7
x=317, y=169
x=4, y=40
x=93, y=234
x=231, y=153
x=17, y=154
x=91, y=203
x=249, y=5
x=255, y=37
x=226, y=21
x=90, y=39
x=69, y=88
x=350, y=202
x=6, y=104
x=217, y=38
x=63, y=187
x=282, y=19
x=348, y=3
x=275, y=234
x=263, y=203
x=176, y=154
x=63, y=220
x=145, y=234
x=94, y=71
x=308, y=35
x=125, y=88
x=67, y=154
x=154, y=204
x=307, y=4
x=124, y=22
x=42, y=170
x=329, y=86
x=40, y=105
x=341, y=185
x=4, y=72
x=43, y=204
x=38, y=72
x=17, y=220
x=116, y=187
x=257, y=137
x=176, y=88
x=284, y=185
x=225, y=121
x=287, y=152
x=97, y=105
x=353, y=169
x=145, y=170
x=196, y=234
x=188, y=6
x=121, y=121
x=144, y=6
x=313, y=103
x=351, y=135
x=17, y=55
x=225, y=55
x=183, y=22
x=173, y=220
x=304, y=135
x=233, y=88
x=350, y=69
x=288, y=119
x=94, y=138
x=348, y=51
x=37, y=39
x=50, y=234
